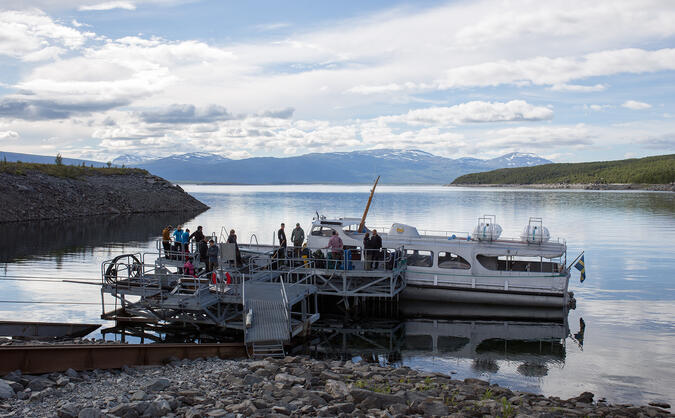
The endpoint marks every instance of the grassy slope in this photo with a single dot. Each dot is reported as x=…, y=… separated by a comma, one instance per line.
x=65, y=171
x=649, y=170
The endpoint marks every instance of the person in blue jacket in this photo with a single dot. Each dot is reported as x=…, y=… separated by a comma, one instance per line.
x=178, y=234
x=186, y=240
x=178, y=240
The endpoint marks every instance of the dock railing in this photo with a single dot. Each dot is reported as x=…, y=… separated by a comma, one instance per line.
x=340, y=277
x=351, y=259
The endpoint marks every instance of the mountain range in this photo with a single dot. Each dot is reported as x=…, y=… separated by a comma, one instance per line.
x=393, y=165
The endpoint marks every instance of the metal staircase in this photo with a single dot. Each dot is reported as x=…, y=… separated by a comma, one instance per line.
x=270, y=317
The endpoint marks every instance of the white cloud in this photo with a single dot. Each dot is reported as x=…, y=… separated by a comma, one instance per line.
x=544, y=137
x=635, y=105
x=114, y=74
x=109, y=5
x=31, y=35
x=475, y=112
x=76, y=4
x=265, y=27
x=558, y=71
x=579, y=88
x=597, y=107
x=664, y=142
x=340, y=77
x=8, y=135
x=384, y=88
x=77, y=24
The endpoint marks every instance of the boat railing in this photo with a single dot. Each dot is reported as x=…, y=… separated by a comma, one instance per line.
x=250, y=241
x=444, y=234
x=462, y=236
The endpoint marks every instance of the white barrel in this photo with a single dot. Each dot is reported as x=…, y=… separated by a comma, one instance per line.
x=487, y=232
x=403, y=230
x=535, y=234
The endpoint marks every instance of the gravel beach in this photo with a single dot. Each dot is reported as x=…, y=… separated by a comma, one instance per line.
x=293, y=386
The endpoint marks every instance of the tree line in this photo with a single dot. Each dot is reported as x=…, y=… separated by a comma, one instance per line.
x=59, y=169
x=649, y=170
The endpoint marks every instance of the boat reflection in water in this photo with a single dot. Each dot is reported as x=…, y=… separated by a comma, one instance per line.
x=482, y=340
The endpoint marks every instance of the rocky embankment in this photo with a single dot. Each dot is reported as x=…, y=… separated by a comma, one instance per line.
x=294, y=386
x=590, y=186
x=34, y=195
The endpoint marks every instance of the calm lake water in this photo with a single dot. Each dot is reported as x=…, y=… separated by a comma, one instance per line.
x=627, y=352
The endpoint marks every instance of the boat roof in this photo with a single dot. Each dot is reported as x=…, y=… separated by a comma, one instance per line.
x=502, y=246
x=337, y=221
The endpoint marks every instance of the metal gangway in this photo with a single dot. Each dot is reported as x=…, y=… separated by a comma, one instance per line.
x=277, y=310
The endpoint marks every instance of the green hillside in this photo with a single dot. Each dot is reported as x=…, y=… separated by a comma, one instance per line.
x=65, y=171
x=649, y=170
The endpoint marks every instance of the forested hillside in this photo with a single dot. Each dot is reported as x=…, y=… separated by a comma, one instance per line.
x=649, y=170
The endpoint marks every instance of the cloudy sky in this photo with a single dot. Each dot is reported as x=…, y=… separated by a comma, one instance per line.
x=568, y=80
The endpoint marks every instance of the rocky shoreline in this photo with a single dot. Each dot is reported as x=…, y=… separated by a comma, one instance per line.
x=590, y=186
x=293, y=386
x=35, y=195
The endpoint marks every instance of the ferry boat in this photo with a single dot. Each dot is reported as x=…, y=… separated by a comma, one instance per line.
x=477, y=268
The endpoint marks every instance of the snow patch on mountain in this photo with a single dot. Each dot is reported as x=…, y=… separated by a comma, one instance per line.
x=132, y=159
x=520, y=159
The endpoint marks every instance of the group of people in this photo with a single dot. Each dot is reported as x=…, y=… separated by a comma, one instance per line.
x=181, y=239
x=180, y=248
x=209, y=252
x=372, y=250
x=372, y=246
x=297, y=237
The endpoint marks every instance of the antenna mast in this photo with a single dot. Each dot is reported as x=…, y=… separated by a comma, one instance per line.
x=365, y=212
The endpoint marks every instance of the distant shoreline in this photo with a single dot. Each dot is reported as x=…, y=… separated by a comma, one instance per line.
x=558, y=186
x=579, y=186
x=194, y=183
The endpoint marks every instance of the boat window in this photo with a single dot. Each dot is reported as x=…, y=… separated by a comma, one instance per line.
x=452, y=261
x=322, y=231
x=351, y=229
x=420, y=258
x=518, y=263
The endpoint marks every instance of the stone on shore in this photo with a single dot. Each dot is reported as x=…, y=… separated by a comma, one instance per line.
x=6, y=391
x=294, y=386
x=159, y=384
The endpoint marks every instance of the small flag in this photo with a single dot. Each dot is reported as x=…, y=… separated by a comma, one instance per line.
x=582, y=268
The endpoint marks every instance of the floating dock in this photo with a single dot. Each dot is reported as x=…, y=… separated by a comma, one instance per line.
x=41, y=330
x=270, y=299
